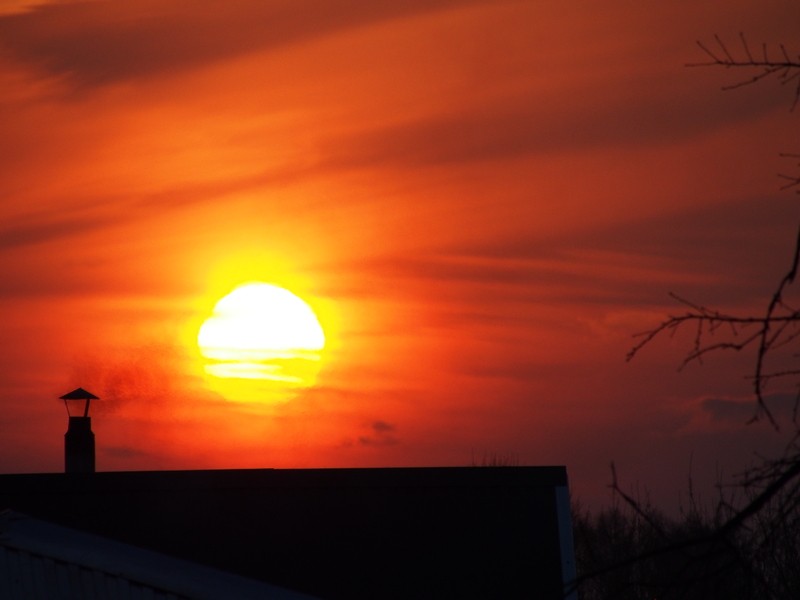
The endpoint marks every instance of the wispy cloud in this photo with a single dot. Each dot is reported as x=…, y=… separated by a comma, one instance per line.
x=638, y=113
x=96, y=43
x=40, y=227
x=738, y=411
x=381, y=434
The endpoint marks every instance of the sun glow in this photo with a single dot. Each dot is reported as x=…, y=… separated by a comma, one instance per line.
x=262, y=333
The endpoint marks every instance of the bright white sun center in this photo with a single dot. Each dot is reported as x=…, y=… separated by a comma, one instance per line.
x=262, y=331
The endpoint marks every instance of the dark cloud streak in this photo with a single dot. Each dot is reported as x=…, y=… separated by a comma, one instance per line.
x=782, y=406
x=382, y=435
x=37, y=228
x=97, y=43
x=534, y=123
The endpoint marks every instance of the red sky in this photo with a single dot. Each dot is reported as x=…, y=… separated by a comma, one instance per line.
x=482, y=200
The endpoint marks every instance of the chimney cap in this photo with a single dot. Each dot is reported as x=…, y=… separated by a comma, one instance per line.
x=79, y=394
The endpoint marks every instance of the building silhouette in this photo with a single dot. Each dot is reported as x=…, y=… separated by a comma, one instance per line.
x=446, y=532
x=471, y=532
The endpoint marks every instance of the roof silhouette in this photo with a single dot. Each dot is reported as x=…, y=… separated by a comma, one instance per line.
x=42, y=560
x=449, y=532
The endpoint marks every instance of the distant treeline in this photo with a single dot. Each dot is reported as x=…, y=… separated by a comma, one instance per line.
x=632, y=551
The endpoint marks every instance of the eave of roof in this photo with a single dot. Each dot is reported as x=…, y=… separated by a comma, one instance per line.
x=37, y=546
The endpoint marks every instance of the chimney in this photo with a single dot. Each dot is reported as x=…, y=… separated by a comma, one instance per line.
x=79, y=439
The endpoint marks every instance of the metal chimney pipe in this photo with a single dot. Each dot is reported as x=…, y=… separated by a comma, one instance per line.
x=79, y=446
x=79, y=439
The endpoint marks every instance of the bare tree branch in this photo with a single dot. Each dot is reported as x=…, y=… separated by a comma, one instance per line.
x=779, y=326
x=794, y=180
x=785, y=69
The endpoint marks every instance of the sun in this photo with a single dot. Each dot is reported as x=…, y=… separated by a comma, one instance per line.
x=262, y=333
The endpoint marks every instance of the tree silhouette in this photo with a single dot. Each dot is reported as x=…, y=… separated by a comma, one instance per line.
x=779, y=325
x=748, y=545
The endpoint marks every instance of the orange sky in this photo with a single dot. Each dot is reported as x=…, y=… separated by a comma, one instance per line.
x=482, y=200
